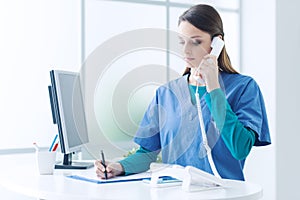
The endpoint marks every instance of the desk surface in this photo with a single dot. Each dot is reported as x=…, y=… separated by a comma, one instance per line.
x=19, y=174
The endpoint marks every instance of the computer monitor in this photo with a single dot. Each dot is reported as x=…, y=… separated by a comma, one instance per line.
x=68, y=113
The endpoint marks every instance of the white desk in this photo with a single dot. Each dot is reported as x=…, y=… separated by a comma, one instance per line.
x=19, y=174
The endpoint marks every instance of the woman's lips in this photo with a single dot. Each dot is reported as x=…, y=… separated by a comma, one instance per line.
x=189, y=59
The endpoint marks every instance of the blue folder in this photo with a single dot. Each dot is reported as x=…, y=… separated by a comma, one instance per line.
x=81, y=178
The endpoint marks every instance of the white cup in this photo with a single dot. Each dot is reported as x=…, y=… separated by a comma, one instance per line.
x=45, y=161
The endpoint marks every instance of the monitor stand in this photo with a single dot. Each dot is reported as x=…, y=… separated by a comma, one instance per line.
x=69, y=164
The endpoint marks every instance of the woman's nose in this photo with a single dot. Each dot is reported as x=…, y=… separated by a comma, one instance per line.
x=187, y=48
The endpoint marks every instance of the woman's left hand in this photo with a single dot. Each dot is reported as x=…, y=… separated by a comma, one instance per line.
x=210, y=72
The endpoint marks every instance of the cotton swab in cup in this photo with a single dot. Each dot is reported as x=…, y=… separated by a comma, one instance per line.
x=37, y=148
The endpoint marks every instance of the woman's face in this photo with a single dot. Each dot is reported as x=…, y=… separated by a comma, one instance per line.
x=195, y=43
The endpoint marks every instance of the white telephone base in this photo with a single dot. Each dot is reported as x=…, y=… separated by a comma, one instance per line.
x=190, y=178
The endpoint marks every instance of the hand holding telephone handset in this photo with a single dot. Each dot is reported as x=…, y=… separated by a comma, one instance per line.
x=217, y=45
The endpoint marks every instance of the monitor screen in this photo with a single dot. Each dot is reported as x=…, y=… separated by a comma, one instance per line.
x=68, y=111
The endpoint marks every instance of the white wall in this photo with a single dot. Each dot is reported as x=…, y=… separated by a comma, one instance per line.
x=271, y=45
x=288, y=99
x=258, y=61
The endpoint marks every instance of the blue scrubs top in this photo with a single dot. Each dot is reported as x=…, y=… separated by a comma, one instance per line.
x=171, y=124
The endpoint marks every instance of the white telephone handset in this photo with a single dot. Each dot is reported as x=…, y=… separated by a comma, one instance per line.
x=217, y=45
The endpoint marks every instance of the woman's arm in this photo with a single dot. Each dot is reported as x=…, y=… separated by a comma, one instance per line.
x=139, y=161
x=237, y=138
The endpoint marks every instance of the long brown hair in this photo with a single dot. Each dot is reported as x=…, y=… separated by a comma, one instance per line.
x=207, y=19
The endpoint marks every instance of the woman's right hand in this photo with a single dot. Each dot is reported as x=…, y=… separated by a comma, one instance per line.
x=112, y=169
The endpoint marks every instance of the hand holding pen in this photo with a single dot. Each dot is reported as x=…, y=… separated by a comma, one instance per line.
x=108, y=169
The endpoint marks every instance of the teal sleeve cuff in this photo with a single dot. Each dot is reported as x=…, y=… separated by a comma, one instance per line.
x=238, y=139
x=139, y=161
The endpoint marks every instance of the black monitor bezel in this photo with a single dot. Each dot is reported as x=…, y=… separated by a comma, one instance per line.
x=58, y=110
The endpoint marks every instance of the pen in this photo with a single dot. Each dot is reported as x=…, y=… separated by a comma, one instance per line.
x=54, y=140
x=55, y=147
x=103, y=163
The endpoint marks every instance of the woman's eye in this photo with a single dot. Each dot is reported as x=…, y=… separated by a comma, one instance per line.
x=196, y=42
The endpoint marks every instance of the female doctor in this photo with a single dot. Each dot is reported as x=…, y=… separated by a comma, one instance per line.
x=231, y=108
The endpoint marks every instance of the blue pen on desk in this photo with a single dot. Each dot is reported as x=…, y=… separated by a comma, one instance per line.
x=54, y=140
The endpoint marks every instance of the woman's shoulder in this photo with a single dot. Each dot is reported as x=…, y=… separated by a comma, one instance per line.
x=239, y=84
x=237, y=79
x=236, y=76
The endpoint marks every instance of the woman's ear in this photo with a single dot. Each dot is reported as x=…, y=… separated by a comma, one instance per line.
x=221, y=37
